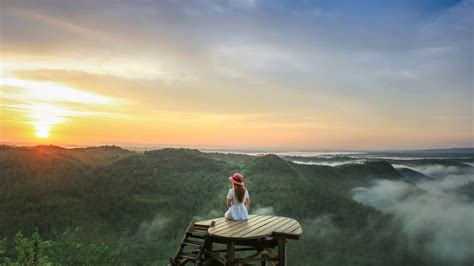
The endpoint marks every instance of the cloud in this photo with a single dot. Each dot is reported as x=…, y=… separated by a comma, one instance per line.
x=240, y=60
x=329, y=163
x=30, y=90
x=152, y=230
x=439, y=218
x=320, y=227
x=293, y=57
x=210, y=215
x=436, y=170
x=446, y=184
x=447, y=178
x=263, y=210
x=447, y=219
x=384, y=194
x=244, y=3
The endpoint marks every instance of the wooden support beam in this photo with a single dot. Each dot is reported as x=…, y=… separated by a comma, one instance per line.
x=281, y=251
x=259, y=243
x=208, y=249
x=230, y=256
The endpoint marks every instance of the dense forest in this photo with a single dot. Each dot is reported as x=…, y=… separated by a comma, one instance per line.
x=108, y=205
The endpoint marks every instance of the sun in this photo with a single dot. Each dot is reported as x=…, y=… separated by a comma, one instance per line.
x=44, y=118
x=42, y=132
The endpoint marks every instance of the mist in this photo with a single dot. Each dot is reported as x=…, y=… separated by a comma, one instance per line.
x=438, y=217
x=263, y=210
x=330, y=163
x=446, y=178
x=438, y=171
x=153, y=230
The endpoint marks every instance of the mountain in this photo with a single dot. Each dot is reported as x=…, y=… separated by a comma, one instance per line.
x=141, y=203
x=44, y=186
x=412, y=175
x=432, y=153
x=467, y=190
x=430, y=162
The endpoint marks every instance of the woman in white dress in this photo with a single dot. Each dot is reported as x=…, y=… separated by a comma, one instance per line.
x=238, y=200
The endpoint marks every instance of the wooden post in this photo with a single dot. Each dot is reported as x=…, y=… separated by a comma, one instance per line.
x=230, y=253
x=281, y=251
x=263, y=263
x=208, y=247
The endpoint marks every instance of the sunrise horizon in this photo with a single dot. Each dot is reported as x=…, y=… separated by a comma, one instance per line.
x=224, y=149
x=237, y=132
x=83, y=79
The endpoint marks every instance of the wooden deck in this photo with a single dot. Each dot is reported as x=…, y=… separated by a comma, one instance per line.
x=257, y=226
x=261, y=238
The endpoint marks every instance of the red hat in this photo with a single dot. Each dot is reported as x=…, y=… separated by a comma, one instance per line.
x=237, y=179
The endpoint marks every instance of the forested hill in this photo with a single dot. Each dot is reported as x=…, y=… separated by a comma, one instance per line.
x=133, y=208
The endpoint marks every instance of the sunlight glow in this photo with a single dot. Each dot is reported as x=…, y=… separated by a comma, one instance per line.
x=51, y=91
x=124, y=68
x=43, y=132
x=44, y=117
x=46, y=104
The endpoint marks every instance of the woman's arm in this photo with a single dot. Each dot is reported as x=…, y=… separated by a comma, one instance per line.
x=229, y=203
x=247, y=204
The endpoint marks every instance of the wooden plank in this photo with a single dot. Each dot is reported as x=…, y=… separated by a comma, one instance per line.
x=236, y=223
x=269, y=228
x=259, y=242
x=255, y=231
x=286, y=226
x=227, y=224
x=288, y=230
x=208, y=222
x=297, y=231
x=241, y=224
x=248, y=231
x=255, y=223
x=230, y=223
x=218, y=220
x=251, y=217
x=292, y=232
x=257, y=226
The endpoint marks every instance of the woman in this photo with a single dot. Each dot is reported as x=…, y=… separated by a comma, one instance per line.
x=238, y=200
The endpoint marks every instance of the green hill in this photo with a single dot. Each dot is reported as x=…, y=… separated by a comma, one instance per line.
x=141, y=203
x=413, y=175
x=467, y=190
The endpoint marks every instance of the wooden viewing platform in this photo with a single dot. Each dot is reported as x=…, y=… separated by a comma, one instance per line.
x=261, y=238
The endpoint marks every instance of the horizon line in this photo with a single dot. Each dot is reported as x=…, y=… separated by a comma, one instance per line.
x=150, y=146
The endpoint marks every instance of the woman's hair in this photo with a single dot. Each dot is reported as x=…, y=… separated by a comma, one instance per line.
x=239, y=192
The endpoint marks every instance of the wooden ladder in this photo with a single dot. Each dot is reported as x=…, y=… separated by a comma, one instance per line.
x=192, y=246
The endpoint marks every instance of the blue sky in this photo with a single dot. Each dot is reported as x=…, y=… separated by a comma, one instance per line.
x=302, y=74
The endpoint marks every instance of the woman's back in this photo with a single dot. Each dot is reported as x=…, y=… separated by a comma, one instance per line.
x=238, y=210
x=238, y=199
x=231, y=195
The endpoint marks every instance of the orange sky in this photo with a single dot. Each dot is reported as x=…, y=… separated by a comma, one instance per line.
x=69, y=76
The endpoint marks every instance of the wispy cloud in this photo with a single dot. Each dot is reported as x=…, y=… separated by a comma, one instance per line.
x=358, y=84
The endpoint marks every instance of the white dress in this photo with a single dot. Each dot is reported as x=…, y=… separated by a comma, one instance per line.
x=237, y=211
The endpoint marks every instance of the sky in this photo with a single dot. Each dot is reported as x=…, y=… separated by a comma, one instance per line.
x=339, y=75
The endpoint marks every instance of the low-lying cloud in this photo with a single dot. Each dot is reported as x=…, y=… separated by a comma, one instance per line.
x=263, y=210
x=439, y=217
x=321, y=227
x=436, y=170
x=446, y=177
x=385, y=195
x=210, y=215
x=152, y=230
x=331, y=163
